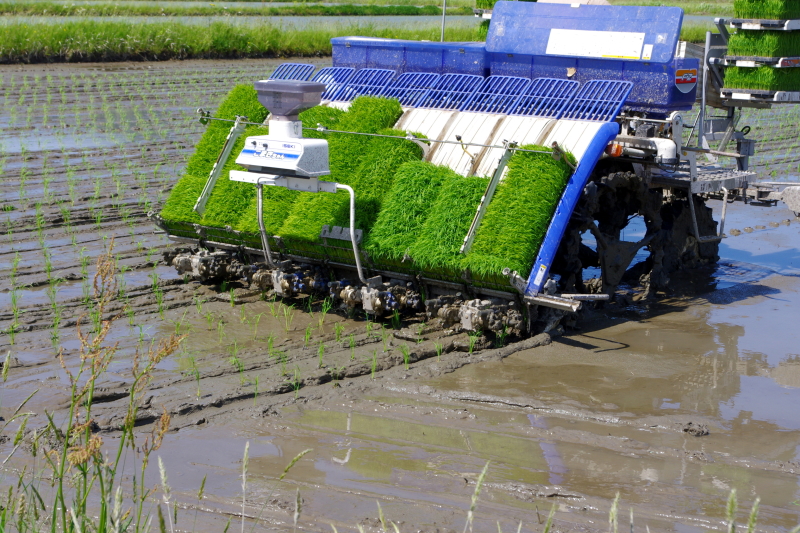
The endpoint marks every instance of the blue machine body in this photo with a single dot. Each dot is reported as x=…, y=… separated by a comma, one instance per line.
x=541, y=40
x=622, y=57
x=410, y=56
x=587, y=42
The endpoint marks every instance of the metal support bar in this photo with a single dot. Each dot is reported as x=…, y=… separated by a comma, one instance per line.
x=262, y=229
x=695, y=227
x=343, y=187
x=236, y=130
x=487, y=197
x=283, y=181
x=554, y=302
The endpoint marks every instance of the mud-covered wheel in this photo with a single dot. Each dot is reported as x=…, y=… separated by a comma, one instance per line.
x=677, y=241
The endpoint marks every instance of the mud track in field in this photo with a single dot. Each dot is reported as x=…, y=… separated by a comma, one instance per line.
x=670, y=405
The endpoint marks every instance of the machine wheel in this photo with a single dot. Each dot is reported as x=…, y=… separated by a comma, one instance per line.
x=605, y=209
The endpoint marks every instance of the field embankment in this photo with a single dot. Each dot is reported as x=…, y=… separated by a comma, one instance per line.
x=88, y=41
x=210, y=10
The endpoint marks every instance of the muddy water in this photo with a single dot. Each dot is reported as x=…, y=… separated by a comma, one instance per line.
x=597, y=411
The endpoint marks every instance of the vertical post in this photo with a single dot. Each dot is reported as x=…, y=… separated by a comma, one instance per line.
x=444, y=12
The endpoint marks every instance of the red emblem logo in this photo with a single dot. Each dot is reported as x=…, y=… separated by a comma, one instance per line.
x=686, y=79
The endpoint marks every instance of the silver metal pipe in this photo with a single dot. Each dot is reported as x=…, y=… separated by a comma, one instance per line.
x=444, y=12
x=724, y=211
x=405, y=138
x=352, y=193
x=262, y=229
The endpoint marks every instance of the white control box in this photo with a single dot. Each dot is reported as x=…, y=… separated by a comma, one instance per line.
x=285, y=156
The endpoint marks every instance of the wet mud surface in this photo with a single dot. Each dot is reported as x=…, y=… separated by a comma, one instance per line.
x=672, y=404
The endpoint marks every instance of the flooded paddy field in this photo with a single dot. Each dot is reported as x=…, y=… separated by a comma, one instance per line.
x=671, y=405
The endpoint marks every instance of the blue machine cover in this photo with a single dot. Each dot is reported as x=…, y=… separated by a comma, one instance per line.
x=293, y=71
x=629, y=33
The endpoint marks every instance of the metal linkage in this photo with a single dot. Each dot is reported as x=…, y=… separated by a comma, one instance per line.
x=487, y=197
x=696, y=229
x=236, y=130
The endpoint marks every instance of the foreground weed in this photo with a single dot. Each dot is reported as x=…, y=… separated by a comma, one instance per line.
x=74, y=460
x=475, y=496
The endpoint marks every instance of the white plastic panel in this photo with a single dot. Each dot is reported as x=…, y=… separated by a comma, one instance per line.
x=520, y=129
x=573, y=135
x=344, y=106
x=429, y=122
x=473, y=128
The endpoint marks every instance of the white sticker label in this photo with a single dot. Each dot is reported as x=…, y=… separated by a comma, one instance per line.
x=606, y=44
x=648, y=52
x=540, y=275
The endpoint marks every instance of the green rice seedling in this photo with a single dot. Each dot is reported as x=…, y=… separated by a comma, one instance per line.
x=232, y=297
x=312, y=211
x=327, y=304
x=270, y=342
x=337, y=329
x=500, y=338
x=376, y=173
x=242, y=100
x=288, y=316
x=763, y=78
x=447, y=223
x=352, y=346
x=405, y=350
x=385, y=334
x=296, y=382
x=396, y=319
x=273, y=307
x=198, y=303
x=764, y=43
x=255, y=391
x=237, y=363
x=159, y=294
x=209, y=319
x=221, y=330
x=195, y=372
x=256, y=319
x=306, y=336
x=438, y=346
x=766, y=9
x=473, y=340
x=518, y=216
x=321, y=353
x=374, y=363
